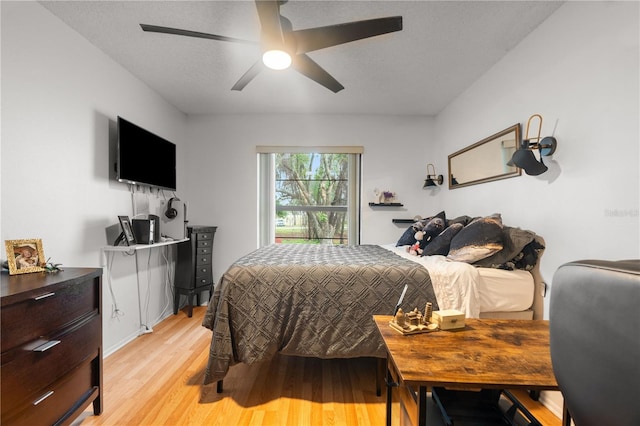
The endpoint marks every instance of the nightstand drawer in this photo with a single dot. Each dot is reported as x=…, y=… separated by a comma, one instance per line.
x=53, y=402
x=32, y=367
x=50, y=310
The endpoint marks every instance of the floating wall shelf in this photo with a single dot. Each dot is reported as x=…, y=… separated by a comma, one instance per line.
x=386, y=204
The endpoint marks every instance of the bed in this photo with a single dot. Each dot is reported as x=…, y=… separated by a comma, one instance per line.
x=318, y=300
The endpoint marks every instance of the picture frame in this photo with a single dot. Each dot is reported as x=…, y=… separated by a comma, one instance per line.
x=25, y=256
x=127, y=230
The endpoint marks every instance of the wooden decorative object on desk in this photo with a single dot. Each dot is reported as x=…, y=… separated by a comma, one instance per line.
x=412, y=323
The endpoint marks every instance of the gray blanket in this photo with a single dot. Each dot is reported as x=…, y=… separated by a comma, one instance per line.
x=308, y=300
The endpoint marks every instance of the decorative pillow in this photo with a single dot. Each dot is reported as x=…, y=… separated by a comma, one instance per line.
x=433, y=228
x=478, y=240
x=408, y=237
x=440, y=244
x=528, y=257
x=514, y=240
x=464, y=220
x=441, y=215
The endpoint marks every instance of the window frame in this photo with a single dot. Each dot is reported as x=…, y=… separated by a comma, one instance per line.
x=266, y=187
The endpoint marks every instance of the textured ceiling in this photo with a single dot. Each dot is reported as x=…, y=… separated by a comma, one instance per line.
x=443, y=48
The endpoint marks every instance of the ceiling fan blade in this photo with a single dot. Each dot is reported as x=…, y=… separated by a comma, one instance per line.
x=177, y=31
x=320, y=37
x=269, y=14
x=307, y=67
x=249, y=75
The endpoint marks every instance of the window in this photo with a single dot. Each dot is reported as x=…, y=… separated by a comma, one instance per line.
x=309, y=195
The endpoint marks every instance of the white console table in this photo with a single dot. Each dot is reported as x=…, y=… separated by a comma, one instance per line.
x=134, y=249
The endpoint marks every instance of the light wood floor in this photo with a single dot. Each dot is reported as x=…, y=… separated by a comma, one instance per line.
x=157, y=380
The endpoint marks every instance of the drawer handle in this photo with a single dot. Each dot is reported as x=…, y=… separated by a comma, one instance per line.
x=42, y=398
x=44, y=296
x=46, y=346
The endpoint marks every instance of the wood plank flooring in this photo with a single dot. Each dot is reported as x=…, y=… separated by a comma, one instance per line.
x=157, y=380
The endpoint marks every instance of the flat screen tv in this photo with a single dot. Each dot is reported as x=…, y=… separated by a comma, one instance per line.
x=145, y=158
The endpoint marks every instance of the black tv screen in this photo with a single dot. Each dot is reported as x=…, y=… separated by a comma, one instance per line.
x=145, y=158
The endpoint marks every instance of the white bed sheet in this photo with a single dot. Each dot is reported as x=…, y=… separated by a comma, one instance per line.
x=472, y=290
x=505, y=291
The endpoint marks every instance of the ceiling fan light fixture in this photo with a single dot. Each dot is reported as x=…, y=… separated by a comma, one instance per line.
x=276, y=59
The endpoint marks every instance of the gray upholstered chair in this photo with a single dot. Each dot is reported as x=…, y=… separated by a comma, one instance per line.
x=595, y=340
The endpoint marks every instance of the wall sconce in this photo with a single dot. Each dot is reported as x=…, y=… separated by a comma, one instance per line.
x=524, y=157
x=432, y=179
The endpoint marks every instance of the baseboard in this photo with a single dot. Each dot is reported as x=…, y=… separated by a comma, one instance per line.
x=131, y=337
x=553, y=401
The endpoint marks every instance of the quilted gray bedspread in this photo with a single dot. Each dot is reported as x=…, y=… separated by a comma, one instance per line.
x=308, y=300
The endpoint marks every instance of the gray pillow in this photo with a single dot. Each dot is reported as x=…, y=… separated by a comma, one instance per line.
x=478, y=240
x=514, y=240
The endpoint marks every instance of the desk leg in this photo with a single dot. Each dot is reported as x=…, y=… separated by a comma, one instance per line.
x=389, y=396
x=422, y=405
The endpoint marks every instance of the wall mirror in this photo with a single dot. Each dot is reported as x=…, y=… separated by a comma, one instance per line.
x=485, y=161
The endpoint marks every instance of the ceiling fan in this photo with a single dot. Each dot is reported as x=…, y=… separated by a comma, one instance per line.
x=279, y=39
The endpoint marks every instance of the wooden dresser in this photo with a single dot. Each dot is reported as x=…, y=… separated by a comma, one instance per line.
x=51, y=334
x=194, y=270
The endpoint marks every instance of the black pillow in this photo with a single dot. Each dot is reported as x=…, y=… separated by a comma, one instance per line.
x=464, y=220
x=408, y=236
x=478, y=240
x=440, y=244
x=433, y=228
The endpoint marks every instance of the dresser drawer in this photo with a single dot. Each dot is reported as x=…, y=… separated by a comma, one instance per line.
x=28, y=370
x=201, y=281
x=203, y=271
x=54, y=401
x=204, y=243
x=204, y=250
x=29, y=319
x=203, y=260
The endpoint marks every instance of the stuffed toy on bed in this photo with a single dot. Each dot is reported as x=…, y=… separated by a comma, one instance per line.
x=425, y=235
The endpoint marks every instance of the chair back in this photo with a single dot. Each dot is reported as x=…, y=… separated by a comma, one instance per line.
x=594, y=322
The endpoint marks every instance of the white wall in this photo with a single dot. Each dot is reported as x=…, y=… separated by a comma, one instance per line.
x=223, y=187
x=580, y=71
x=60, y=100
x=60, y=97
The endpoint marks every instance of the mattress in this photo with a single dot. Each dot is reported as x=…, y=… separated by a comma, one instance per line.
x=490, y=289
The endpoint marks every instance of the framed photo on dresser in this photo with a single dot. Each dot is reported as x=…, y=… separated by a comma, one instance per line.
x=24, y=256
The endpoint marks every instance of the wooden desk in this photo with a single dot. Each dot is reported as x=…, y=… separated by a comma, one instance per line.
x=487, y=353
